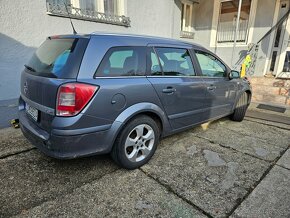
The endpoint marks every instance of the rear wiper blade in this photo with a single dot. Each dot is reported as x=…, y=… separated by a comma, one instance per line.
x=29, y=68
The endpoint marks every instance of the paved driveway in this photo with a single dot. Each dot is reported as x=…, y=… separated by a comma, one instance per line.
x=215, y=171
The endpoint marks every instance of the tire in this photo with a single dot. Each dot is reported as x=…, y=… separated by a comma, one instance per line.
x=136, y=143
x=241, y=108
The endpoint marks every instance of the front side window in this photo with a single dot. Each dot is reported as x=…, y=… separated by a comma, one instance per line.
x=175, y=62
x=228, y=18
x=123, y=61
x=154, y=64
x=210, y=66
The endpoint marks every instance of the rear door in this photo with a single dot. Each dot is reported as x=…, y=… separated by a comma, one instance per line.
x=220, y=90
x=172, y=74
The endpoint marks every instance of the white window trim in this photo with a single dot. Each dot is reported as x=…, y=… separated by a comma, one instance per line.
x=185, y=3
x=272, y=38
x=215, y=20
x=100, y=6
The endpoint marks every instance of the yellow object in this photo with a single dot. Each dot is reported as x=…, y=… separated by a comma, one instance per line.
x=15, y=123
x=248, y=60
x=243, y=71
x=246, y=64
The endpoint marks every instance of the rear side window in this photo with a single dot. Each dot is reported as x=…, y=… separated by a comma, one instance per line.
x=210, y=65
x=123, y=61
x=175, y=61
x=51, y=57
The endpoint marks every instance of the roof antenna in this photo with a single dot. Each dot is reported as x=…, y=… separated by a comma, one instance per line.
x=74, y=31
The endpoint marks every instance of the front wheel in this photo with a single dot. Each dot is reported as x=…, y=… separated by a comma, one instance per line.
x=136, y=143
x=241, y=108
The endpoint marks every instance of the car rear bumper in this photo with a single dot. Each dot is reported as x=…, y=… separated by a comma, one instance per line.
x=68, y=146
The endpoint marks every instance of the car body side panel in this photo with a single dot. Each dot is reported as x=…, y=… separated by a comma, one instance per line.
x=117, y=94
x=185, y=106
x=220, y=96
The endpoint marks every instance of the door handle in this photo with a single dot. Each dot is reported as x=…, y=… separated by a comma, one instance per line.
x=211, y=87
x=169, y=90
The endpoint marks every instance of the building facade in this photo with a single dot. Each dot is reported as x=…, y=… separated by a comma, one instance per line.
x=211, y=23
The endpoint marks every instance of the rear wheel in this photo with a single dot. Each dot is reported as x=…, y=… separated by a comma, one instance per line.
x=136, y=143
x=241, y=108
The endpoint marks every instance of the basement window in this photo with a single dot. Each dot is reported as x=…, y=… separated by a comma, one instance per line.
x=103, y=11
x=228, y=18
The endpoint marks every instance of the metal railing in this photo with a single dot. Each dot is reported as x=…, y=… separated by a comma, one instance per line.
x=57, y=9
x=226, y=31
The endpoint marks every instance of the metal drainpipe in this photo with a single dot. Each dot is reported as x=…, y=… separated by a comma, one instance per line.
x=236, y=32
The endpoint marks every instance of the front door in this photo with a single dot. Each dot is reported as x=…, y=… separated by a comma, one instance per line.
x=220, y=91
x=181, y=92
x=279, y=63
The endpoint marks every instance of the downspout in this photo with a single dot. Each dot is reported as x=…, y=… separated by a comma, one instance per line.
x=236, y=31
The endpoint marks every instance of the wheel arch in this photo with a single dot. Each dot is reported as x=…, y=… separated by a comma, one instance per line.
x=249, y=94
x=149, y=109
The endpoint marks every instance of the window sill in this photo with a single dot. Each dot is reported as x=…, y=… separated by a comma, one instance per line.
x=228, y=45
x=93, y=16
x=187, y=34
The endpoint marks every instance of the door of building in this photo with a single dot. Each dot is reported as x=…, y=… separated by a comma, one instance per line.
x=279, y=64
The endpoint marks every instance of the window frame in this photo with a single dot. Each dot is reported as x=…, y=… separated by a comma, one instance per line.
x=148, y=68
x=100, y=6
x=227, y=69
x=110, y=51
x=184, y=32
x=215, y=23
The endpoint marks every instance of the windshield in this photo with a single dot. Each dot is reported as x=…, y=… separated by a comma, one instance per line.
x=51, y=57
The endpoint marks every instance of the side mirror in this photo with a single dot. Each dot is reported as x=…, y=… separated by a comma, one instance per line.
x=234, y=74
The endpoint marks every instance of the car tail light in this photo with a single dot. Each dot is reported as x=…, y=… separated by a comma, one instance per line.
x=73, y=97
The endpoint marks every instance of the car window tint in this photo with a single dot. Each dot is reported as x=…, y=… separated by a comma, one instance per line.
x=175, y=62
x=51, y=57
x=210, y=66
x=154, y=64
x=123, y=61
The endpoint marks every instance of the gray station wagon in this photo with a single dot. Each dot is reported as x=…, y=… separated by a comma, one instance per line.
x=104, y=93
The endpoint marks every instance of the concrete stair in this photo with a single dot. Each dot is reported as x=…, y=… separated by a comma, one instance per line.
x=271, y=90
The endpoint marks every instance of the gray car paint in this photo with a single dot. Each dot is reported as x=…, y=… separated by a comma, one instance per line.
x=119, y=99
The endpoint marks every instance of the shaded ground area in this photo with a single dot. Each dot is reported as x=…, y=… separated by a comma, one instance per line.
x=8, y=111
x=223, y=169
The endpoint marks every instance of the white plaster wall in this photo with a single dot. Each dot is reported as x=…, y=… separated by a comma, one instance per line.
x=24, y=25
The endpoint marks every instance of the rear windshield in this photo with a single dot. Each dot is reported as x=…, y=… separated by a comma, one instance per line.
x=52, y=58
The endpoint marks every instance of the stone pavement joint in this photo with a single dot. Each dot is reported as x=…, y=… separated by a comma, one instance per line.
x=255, y=185
x=18, y=152
x=267, y=123
x=227, y=147
x=175, y=193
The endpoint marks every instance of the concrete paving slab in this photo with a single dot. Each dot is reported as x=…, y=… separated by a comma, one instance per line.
x=211, y=177
x=284, y=161
x=30, y=178
x=270, y=198
x=12, y=141
x=271, y=134
x=8, y=111
x=122, y=194
x=221, y=132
